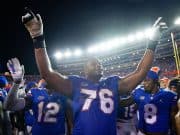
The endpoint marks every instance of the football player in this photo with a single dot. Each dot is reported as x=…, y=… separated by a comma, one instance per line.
x=95, y=99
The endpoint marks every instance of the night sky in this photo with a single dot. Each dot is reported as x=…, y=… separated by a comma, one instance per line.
x=76, y=23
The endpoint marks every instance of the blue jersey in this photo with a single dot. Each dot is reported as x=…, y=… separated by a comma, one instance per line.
x=94, y=106
x=3, y=94
x=154, y=110
x=126, y=113
x=29, y=117
x=48, y=111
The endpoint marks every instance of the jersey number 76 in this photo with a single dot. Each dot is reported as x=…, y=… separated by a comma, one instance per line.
x=105, y=96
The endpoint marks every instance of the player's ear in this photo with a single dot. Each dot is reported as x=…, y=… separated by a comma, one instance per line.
x=179, y=104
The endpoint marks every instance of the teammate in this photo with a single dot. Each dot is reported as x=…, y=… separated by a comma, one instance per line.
x=156, y=107
x=164, y=82
x=4, y=115
x=95, y=99
x=48, y=108
x=3, y=92
x=126, y=118
x=28, y=114
x=174, y=85
x=177, y=118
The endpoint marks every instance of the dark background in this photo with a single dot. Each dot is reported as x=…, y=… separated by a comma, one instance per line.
x=76, y=23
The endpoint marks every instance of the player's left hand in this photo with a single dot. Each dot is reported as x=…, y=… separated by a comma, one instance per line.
x=16, y=70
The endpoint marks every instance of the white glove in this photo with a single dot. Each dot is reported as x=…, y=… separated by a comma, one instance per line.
x=16, y=70
x=34, y=24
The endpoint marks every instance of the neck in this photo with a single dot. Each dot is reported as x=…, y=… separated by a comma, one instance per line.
x=155, y=89
x=94, y=79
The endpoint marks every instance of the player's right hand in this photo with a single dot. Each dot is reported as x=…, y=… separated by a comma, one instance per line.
x=16, y=70
x=33, y=23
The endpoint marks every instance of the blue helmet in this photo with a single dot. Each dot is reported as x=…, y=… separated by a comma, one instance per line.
x=3, y=81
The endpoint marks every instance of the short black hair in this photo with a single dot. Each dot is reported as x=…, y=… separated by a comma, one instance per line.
x=174, y=82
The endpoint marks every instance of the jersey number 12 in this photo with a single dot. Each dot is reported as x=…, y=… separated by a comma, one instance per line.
x=50, y=113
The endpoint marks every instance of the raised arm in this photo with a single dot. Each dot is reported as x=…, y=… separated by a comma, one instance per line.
x=13, y=101
x=34, y=25
x=126, y=101
x=130, y=82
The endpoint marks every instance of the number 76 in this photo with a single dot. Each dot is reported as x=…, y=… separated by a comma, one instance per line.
x=106, y=103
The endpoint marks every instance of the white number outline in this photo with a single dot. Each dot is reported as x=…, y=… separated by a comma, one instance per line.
x=89, y=99
x=103, y=100
x=51, y=113
x=129, y=110
x=153, y=114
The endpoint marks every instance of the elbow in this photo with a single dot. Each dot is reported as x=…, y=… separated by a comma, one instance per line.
x=46, y=74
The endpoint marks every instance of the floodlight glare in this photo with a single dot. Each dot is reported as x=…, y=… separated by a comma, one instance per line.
x=58, y=55
x=177, y=21
x=93, y=49
x=149, y=32
x=115, y=42
x=139, y=35
x=130, y=38
x=67, y=54
x=122, y=40
x=77, y=52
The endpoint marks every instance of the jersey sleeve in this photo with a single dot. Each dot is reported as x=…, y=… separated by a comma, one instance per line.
x=135, y=95
x=173, y=98
x=75, y=80
x=114, y=80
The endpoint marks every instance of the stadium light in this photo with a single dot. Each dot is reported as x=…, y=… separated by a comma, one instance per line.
x=114, y=42
x=67, y=54
x=93, y=49
x=58, y=55
x=149, y=32
x=111, y=44
x=177, y=21
x=139, y=35
x=77, y=52
x=90, y=50
x=130, y=38
x=102, y=47
x=122, y=40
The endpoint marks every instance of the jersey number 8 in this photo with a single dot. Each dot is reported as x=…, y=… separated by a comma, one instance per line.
x=150, y=113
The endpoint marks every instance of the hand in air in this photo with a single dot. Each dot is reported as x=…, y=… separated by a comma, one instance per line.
x=33, y=23
x=16, y=70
